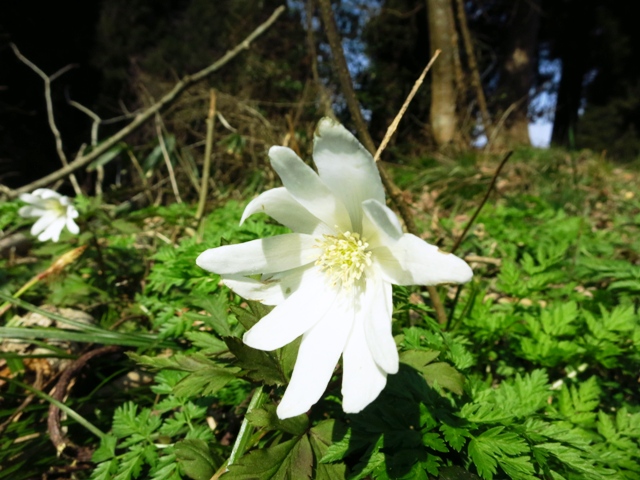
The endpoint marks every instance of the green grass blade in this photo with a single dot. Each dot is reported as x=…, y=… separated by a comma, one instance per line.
x=69, y=411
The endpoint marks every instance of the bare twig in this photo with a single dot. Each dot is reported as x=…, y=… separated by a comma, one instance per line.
x=206, y=168
x=47, y=96
x=149, y=113
x=80, y=453
x=96, y=120
x=143, y=177
x=484, y=200
x=396, y=121
x=325, y=101
x=503, y=118
x=340, y=64
x=473, y=66
x=94, y=139
x=167, y=159
x=477, y=259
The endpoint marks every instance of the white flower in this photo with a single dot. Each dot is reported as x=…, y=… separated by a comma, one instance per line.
x=55, y=212
x=331, y=279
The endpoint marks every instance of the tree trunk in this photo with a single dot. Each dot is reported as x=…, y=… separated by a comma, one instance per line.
x=443, y=92
x=574, y=67
x=518, y=72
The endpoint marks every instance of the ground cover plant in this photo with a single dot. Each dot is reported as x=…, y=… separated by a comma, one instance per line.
x=534, y=374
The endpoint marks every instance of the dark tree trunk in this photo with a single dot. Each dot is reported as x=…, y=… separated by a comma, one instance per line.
x=569, y=97
x=443, y=92
x=518, y=72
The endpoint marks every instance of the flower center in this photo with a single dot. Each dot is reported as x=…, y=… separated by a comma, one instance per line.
x=344, y=258
x=55, y=206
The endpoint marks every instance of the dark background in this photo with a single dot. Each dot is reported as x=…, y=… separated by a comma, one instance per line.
x=126, y=53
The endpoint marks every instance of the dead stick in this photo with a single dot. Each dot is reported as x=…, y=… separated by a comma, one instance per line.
x=60, y=390
x=206, y=168
x=167, y=159
x=143, y=117
x=49, y=102
x=396, y=121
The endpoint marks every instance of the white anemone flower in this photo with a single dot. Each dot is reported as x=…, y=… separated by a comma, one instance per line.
x=55, y=211
x=330, y=280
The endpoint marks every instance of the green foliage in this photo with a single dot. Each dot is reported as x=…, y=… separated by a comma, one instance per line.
x=533, y=376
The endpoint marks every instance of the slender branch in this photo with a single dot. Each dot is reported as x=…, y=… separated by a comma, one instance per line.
x=149, y=113
x=167, y=159
x=94, y=116
x=473, y=66
x=206, y=168
x=143, y=177
x=340, y=64
x=500, y=124
x=49, y=102
x=58, y=438
x=478, y=259
x=396, y=121
x=94, y=139
x=325, y=101
x=484, y=200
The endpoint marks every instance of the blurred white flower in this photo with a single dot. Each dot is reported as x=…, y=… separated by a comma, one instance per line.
x=331, y=279
x=55, y=211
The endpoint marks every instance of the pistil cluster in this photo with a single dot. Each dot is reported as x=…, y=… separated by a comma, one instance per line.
x=344, y=258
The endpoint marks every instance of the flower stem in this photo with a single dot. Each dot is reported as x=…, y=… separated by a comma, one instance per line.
x=245, y=432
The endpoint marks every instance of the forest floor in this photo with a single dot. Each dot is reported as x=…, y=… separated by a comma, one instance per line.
x=111, y=356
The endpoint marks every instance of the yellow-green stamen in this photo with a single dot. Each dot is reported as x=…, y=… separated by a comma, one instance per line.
x=344, y=258
x=55, y=205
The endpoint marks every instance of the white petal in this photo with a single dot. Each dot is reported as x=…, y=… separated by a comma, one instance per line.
x=31, y=211
x=45, y=193
x=380, y=224
x=265, y=255
x=72, y=226
x=319, y=353
x=72, y=212
x=379, y=305
x=346, y=167
x=265, y=293
x=297, y=314
x=53, y=231
x=282, y=207
x=271, y=289
x=44, y=221
x=412, y=261
x=362, y=379
x=32, y=199
x=307, y=189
